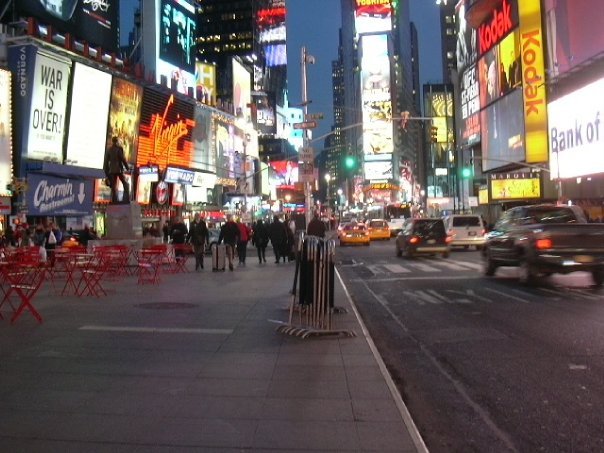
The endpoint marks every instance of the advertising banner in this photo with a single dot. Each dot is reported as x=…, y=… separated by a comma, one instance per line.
x=467, y=38
x=573, y=33
x=514, y=186
x=224, y=146
x=502, y=132
x=178, y=195
x=576, y=136
x=205, y=83
x=179, y=176
x=502, y=20
x=6, y=152
x=165, y=134
x=375, y=95
x=263, y=115
x=124, y=116
x=52, y=196
x=93, y=21
x=533, y=77
x=88, y=117
x=285, y=173
x=242, y=91
x=469, y=127
x=205, y=152
x=378, y=170
x=372, y=16
x=143, y=191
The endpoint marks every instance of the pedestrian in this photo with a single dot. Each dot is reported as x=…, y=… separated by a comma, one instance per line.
x=50, y=242
x=244, y=237
x=260, y=240
x=166, y=232
x=229, y=233
x=179, y=233
x=316, y=227
x=115, y=165
x=278, y=236
x=198, y=237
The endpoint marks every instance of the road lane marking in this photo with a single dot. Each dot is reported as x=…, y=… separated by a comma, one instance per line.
x=507, y=295
x=399, y=279
x=474, y=266
x=453, y=265
x=424, y=267
x=396, y=268
x=157, y=330
x=374, y=269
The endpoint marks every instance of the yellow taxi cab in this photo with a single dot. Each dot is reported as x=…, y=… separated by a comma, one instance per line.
x=354, y=233
x=378, y=229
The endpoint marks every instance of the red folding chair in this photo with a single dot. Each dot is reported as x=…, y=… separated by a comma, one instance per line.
x=25, y=281
x=182, y=252
x=149, y=262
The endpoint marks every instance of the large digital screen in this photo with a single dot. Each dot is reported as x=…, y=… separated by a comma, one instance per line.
x=514, y=186
x=48, y=105
x=271, y=22
x=93, y=21
x=88, y=117
x=378, y=170
x=467, y=38
x=276, y=55
x=573, y=33
x=499, y=70
x=5, y=130
x=205, y=153
x=165, y=134
x=225, y=149
x=469, y=127
x=576, y=135
x=372, y=16
x=502, y=132
x=285, y=173
x=264, y=114
x=177, y=34
x=205, y=83
x=242, y=91
x=375, y=96
x=124, y=116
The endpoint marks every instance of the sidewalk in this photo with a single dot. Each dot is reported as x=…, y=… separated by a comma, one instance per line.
x=195, y=364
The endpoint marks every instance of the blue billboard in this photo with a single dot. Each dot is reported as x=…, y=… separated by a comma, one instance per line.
x=52, y=196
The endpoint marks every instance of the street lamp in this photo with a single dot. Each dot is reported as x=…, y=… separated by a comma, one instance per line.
x=328, y=190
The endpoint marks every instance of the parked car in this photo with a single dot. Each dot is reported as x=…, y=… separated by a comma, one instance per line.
x=378, y=229
x=423, y=236
x=466, y=230
x=546, y=239
x=354, y=233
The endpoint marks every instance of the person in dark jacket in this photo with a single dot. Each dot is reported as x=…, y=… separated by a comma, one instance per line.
x=260, y=240
x=199, y=237
x=316, y=227
x=179, y=233
x=229, y=233
x=278, y=236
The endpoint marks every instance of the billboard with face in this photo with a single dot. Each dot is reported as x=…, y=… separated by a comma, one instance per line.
x=94, y=21
x=499, y=70
x=502, y=131
x=375, y=96
x=88, y=116
x=124, y=116
x=467, y=39
x=285, y=173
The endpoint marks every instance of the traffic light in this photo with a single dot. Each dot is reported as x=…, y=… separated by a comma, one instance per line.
x=434, y=134
x=350, y=162
x=466, y=172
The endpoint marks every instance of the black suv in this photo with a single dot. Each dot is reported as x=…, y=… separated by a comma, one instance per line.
x=423, y=236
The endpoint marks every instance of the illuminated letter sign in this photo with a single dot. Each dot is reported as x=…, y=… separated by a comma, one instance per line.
x=502, y=22
x=533, y=77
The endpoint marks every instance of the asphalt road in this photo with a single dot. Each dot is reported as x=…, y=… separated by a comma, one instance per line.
x=485, y=364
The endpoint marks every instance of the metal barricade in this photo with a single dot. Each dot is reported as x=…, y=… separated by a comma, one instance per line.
x=313, y=290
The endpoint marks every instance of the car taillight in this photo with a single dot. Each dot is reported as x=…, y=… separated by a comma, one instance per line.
x=542, y=244
x=483, y=232
x=414, y=240
x=448, y=239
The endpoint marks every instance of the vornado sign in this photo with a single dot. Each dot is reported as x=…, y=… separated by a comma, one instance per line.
x=503, y=20
x=533, y=77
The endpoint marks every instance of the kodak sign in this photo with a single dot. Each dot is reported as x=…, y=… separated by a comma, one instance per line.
x=502, y=21
x=533, y=81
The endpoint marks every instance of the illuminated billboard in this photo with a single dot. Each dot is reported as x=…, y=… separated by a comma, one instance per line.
x=272, y=28
x=375, y=96
x=285, y=173
x=378, y=170
x=276, y=55
x=242, y=91
x=205, y=83
x=94, y=21
x=205, y=152
x=502, y=19
x=6, y=150
x=514, y=186
x=165, y=133
x=88, y=117
x=124, y=116
x=469, y=127
x=573, y=35
x=502, y=132
x=466, y=48
x=372, y=16
x=499, y=70
x=264, y=113
x=576, y=136
x=40, y=101
x=223, y=132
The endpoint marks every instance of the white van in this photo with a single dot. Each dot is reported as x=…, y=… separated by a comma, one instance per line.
x=466, y=230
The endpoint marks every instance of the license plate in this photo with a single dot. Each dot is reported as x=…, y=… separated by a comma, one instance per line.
x=431, y=241
x=584, y=259
x=471, y=233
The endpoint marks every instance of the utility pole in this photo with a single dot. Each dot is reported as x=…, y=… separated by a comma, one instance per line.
x=306, y=59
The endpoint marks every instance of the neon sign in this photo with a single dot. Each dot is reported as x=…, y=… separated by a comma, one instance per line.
x=502, y=22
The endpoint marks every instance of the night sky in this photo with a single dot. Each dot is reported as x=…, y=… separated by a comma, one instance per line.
x=315, y=24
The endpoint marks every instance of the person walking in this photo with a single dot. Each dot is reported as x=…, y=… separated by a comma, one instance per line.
x=198, y=237
x=179, y=233
x=229, y=233
x=114, y=167
x=260, y=240
x=244, y=237
x=50, y=242
x=316, y=227
x=278, y=237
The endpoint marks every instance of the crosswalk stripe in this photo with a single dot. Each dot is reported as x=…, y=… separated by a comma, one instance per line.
x=453, y=265
x=396, y=268
x=423, y=267
x=477, y=266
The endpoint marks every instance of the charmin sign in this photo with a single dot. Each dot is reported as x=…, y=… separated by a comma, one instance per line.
x=503, y=20
x=533, y=78
x=49, y=195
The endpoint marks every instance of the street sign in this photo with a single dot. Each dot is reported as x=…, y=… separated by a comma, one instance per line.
x=306, y=172
x=313, y=116
x=306, y=155
x=305, y=125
